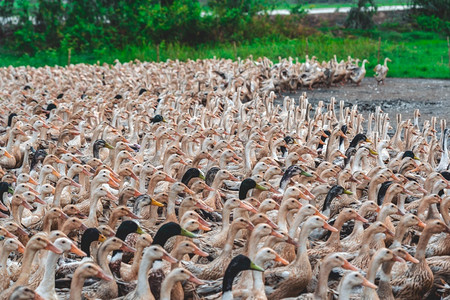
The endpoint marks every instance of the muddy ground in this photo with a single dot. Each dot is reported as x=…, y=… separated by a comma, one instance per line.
x=398, y=95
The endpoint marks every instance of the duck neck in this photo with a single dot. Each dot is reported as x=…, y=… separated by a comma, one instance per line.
x=335, y=237
x=166, y=287
x=422, y=245
x=112, y=219
x=92, y=219
x=228, y=247
x=321, y=291
x=299, y=217
x=225, y=220
x=4, y=258
x=171, y=203
x=143, y=286
x=57, y=198
x=102, y=259
x=76, y=287
x=399, y=234
x=282, y=218
x=301, y=250
x=26, y=266
x=47, y=223
x=47, y=285
x=444, y=212
x=137, y=260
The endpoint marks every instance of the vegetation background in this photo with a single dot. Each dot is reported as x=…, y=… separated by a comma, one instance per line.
x=43, y=32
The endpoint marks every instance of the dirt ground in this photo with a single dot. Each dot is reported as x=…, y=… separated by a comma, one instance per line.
x=431, y=96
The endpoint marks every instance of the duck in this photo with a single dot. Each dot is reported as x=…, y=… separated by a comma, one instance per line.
x=402, y=286
x=150, y=254
x=38, y=242
x=46, y=288
x=84, y=271
x=381, y=71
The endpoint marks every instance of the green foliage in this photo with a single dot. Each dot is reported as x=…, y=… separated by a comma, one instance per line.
x=360, y=17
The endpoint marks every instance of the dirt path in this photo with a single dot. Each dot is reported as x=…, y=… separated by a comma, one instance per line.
x=431, y=96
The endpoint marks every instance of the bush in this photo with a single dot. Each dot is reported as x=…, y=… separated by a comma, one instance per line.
x=360, y=17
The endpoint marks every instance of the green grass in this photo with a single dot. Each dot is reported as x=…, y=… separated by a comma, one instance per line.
x=330, y=4
x=416, y=54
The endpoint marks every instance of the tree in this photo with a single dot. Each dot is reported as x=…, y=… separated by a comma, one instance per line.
x=360, y=17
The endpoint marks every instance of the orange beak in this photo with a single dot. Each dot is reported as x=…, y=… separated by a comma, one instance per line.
x=74, y=249
x=329, y=227
x=169, y=258
x=53, y=248
x=369, y=284
x=113, y=184
x=349, y=266
x=103, y=275
x=318, y=213
x=56, y=173
x=421, y=224
x=73, y=183
x=360, y=218
x=111, y=196
x=32, y=181
x=277, y=234
x=189, y=191
x=136, y=193
x=408, y=257
x=200, y=204
x=127, y=248
x=281, y=260
x=169, y=179
x=246, y=206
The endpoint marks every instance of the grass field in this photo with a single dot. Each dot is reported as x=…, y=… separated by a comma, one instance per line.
x=416, y=54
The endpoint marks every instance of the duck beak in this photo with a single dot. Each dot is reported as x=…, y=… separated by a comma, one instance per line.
x=187, y=233
x=111, y=196
x=246, y=206
x=189, y=191
x=318, y=213
x=113, y=184
x=109, y=146
x=329, y=227
x=202, y=176
x=203, y=227
x=400, y=213
x=306, y=174
x=10, y=190
x=132, y=215
x=156, y=203
x=53, y=248
x=38, y=200
x=250, y=226
x=27, y=205
x=416, y=158
x=139, y=230
x=393, y=176
x=195, y=280
x=261, y=188
x=232, y=178
x=3, y=207
x=101, y=238
x=10, y=235
x=398, y=259
x=169, y=179
x=37, y=297
x=347, y=192
x=369, y=284
x=421, y=224
x=136, y=193
x=281, y=260
x=169, y=258
x=20, y=248
x=200, y=252
x=73, y=183
x=127, y=248
x=2, y=215
x=388, y=232
x=56, y=173
x=8, y=155
x=32, y=181
x=255, y=267
x=276, y=234
x=373, y=152
x=409, y=257
x=104, y=276
x=368, y=141
x=349, y=266
x=74, y=249
x=360, y=218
